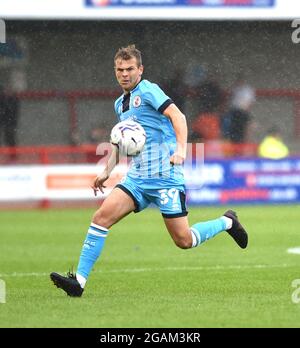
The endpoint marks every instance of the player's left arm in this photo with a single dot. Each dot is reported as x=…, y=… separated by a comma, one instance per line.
x=180, y=127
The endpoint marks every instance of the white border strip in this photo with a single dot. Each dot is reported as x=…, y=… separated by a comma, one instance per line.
x=76, y=9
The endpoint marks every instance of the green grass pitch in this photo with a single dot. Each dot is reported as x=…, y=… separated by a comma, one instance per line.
x=143, y=280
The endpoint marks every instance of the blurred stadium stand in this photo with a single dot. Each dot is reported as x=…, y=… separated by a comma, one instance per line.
x=71, y=89
x=69, y=68
x=59, y=152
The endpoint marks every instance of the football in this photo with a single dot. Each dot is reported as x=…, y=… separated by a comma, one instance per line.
x=129, y=136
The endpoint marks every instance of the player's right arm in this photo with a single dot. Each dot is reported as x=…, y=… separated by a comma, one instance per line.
x=113, y=160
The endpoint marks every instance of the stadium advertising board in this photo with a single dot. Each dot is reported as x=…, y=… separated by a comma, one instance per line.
x=194, y=3
x=248, y=181
x=150, y=9
x=216, y=182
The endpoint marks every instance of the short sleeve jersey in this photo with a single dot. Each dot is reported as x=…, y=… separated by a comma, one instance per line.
x=145, y=104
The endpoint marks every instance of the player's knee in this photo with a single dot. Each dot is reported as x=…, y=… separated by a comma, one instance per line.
x=102, y=218
x=183, y=243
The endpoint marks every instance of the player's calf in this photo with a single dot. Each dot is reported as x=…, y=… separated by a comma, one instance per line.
x=184, y=242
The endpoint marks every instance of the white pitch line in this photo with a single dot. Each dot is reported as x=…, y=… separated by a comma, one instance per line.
x=295, y=250
x=165, y=269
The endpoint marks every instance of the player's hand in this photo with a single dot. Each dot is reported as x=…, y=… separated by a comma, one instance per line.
x=98, y=183
x=177, y=159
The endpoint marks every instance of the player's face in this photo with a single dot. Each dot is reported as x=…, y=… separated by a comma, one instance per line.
x=128, y=73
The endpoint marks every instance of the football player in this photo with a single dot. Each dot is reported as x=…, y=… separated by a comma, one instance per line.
x=155, y=176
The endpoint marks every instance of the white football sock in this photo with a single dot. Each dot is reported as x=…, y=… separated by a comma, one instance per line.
x=81, y=280
x=194, y=239
x=228, y=222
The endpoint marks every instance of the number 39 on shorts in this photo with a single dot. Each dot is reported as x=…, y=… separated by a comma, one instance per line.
x=166, y=195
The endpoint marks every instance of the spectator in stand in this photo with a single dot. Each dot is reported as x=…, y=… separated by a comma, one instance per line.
x=206, y=126
x=177, y=89
x=272, y=146
x=2, y=105
x=98, y=135
x=210, y=95
x=236, y=121
x=9, y=114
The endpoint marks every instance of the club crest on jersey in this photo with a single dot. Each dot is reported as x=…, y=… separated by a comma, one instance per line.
x=137, y=101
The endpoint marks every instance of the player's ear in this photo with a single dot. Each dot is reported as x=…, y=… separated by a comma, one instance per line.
x=141, y=68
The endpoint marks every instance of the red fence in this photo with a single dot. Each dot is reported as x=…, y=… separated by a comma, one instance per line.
x=72, y=97
x=87, y=153
x=48, y=154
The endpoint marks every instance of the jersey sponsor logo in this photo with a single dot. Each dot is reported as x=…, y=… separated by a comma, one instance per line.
x=137, y=101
